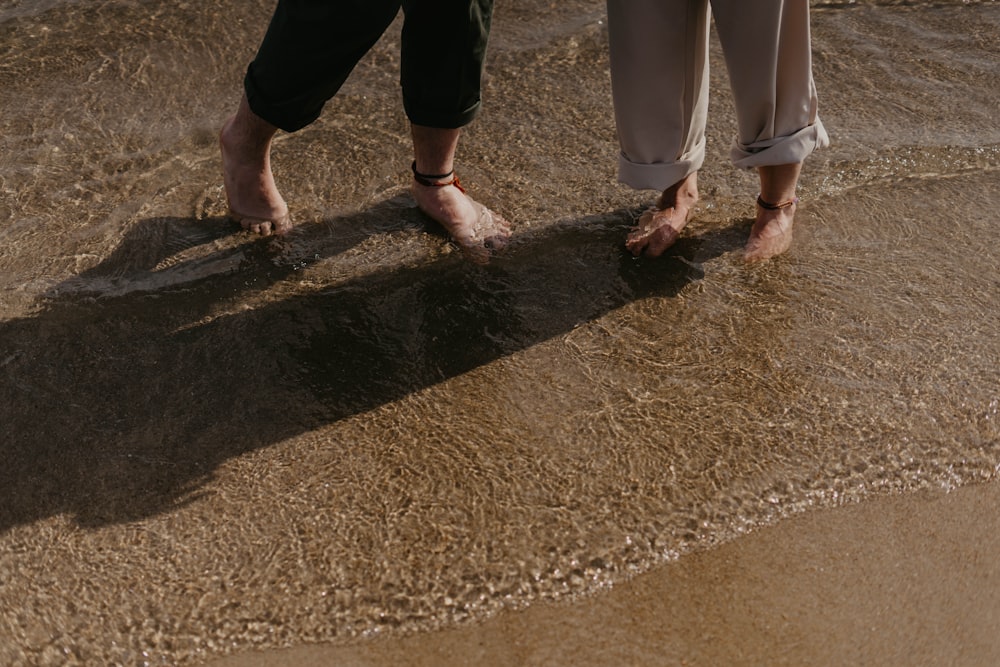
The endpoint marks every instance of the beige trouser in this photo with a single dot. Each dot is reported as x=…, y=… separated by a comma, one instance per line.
x=659, y=77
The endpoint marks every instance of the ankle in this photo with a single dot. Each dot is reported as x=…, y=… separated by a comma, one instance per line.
x=683, y=193
x=237, y=148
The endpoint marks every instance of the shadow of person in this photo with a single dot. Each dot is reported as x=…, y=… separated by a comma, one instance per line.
x=135, y=381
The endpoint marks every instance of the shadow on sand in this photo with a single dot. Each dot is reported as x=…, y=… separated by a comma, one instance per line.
x=115, y=408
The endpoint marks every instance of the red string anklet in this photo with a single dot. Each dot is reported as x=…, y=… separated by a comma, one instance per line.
x=776, y=207
x=430, y=180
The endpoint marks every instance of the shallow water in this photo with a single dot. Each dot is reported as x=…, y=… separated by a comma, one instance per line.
x=215, y=442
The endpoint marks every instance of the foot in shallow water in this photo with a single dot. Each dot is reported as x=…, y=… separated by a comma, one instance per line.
x=771, y=233
x=660, y=225
x=477, y=231
x=251, y=195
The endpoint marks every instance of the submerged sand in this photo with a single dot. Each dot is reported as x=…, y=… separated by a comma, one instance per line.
x=214, y=444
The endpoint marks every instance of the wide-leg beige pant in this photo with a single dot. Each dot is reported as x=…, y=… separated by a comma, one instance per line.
x=659, y=77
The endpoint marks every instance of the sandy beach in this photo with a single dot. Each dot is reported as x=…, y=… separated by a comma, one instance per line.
x=906, y=580
x=351, y=446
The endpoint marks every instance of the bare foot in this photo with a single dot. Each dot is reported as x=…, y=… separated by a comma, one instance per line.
x=660, y=226
x=252, y=196
x=478, y=231
x=771, y=234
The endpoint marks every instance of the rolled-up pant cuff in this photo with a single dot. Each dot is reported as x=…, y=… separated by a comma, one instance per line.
x=790, y=149
x=439, y=119
x=660, y=175
x=289, y=114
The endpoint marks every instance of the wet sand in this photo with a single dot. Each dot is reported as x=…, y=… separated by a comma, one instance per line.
x=215, y=444
x=901, y=580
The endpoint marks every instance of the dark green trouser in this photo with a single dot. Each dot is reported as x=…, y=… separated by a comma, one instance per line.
x=311, y=46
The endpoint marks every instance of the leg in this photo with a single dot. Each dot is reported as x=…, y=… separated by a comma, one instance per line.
x=659, y=80
x=309, y=50
x=476, y=230
x=771, y=234
x=768, y=54
x=252, y=196
x=444, y=44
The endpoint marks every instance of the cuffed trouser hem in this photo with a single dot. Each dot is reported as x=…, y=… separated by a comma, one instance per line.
x=441, y=120
x=792, y=149
x=290, y=114
x=660, y=175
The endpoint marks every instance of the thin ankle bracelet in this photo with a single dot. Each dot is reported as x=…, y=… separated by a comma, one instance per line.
x=776, y=207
